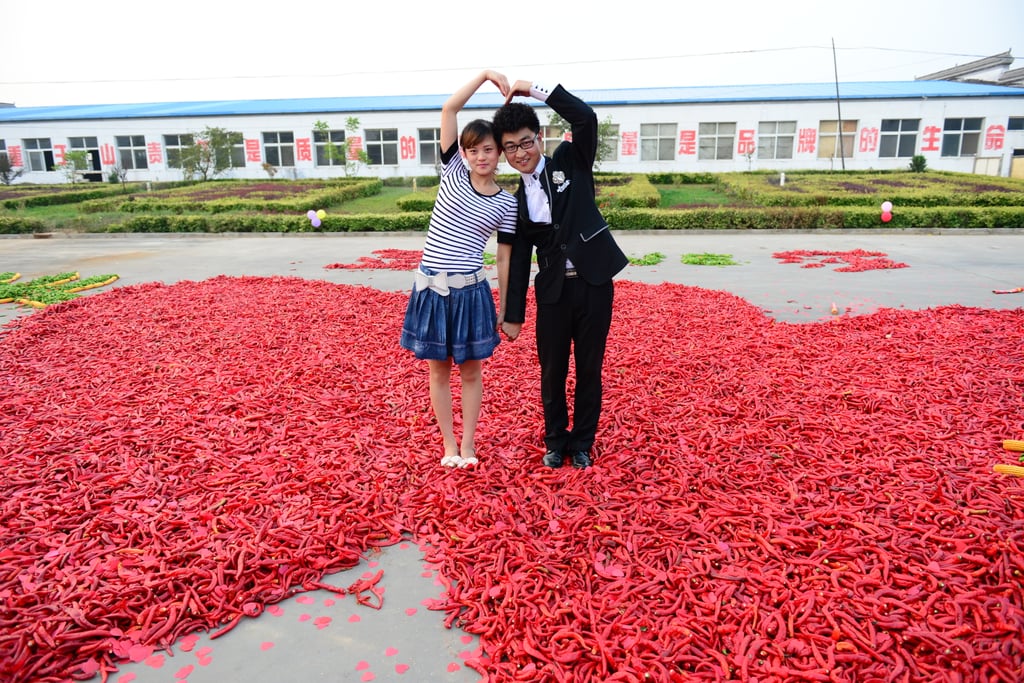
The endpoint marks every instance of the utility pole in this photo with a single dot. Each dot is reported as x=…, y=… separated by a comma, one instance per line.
x=839, y=110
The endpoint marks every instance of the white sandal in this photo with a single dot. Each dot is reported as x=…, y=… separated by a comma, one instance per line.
x=467, y=462
x=452, y=461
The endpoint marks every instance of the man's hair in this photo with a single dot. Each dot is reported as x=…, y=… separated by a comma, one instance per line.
x=513, y=117
x=475, y=132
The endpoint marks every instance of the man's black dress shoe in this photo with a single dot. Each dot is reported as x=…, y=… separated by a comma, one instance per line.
x=553, y=459
x=581, y=459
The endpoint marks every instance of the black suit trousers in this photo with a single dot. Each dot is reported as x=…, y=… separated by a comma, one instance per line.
x=578, y=323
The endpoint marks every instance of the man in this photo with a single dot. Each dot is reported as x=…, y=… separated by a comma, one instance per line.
x=577, y=259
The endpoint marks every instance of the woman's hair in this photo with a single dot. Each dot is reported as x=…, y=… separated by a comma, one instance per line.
x=476, y=132
x=514, y=117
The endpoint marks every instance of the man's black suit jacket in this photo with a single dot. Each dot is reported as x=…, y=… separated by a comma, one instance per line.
x=577, y=231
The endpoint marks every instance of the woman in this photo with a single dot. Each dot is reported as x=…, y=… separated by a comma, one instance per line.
x=450, y=318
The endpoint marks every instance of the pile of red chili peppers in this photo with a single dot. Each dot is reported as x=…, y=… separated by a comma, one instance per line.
x=383, y=259
x=855, y=260
x=770, y=501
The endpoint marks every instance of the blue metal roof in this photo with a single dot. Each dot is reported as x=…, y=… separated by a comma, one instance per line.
x=635, y=96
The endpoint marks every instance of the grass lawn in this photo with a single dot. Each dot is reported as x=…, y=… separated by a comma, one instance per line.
x=678, y=196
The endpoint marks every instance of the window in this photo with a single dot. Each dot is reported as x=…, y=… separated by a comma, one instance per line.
x=898, y=137
x=657, y=141
x=609, y=142
x=330, y=147
x=3, y=150
x=237, y=149
x=40, y=154
x=279, y=148
x=553, y=137
x=175, y=145
x=960, y=137
x=83, y=143
x=131, y=151
x=1015, y=123
x=382, y=146
x=716, y=140
x=430, y=146
x=775, y=139
x=828, y=139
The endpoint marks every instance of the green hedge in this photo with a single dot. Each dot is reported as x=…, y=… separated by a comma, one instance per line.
x=301, y=203
x=825, y=218
x=263, y=223
x=18, y=225
x=90, y=191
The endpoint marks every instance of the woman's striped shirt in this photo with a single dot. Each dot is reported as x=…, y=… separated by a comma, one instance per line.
x=463, y=219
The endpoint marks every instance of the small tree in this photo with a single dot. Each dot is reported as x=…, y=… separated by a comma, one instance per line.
x=918, y=164
x=209, y=155
x=74, y=163
x=332, y=152
x=119, y=175
x=8, y=173
x=606, y=133
x=353, y=158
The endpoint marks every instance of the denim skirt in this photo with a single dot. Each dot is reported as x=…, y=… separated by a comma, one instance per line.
x=461, y=326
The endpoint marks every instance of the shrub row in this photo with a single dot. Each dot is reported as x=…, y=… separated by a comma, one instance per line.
x=88, y=192
x=320, y=197
x=825, y=218
x=802, y=218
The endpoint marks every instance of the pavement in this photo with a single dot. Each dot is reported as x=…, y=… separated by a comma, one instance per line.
x=320, y=636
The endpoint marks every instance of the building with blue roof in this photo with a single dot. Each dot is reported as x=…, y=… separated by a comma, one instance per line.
x=958, y=126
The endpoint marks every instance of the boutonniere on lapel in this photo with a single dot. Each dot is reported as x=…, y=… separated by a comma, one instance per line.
x=558, y=178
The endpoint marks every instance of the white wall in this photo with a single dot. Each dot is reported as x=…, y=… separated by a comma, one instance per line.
x=687, y=117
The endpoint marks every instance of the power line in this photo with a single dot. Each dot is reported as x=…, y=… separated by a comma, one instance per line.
x=694, y=55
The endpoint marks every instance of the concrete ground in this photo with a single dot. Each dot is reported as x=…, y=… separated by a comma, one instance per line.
x=323, y=637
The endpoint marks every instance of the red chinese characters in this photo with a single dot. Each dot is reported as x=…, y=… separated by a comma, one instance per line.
x=14, y=156
x=408, y=147
x=687, y=142
x=995, y=135
x=868, y=140
x=252, y=150
x=930, y=139
x=355, y=147
x=746, y=144
x=107, y=155
x=629, y=143
x=807, y=141
x=303, y=150
x=58, y=154
x=154, y=153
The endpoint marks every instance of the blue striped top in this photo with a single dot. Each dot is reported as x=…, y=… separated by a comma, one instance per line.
x=463, y=219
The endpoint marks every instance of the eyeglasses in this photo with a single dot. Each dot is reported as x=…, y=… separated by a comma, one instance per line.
x=511, y=147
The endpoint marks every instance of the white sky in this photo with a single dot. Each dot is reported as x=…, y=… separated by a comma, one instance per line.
x=65, y=52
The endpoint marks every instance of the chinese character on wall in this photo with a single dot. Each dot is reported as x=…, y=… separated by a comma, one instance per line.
x=58, y=154
x=930, y=139
x=687, y=142
x=868, y=140
x=107, y=156
x=629, y=144
x=408, y=147
x=303, y=150
x=14, y=154
x=807, y=141
x=252, y=150
x=746, y=145
x=994, y=137
x=355, y=147
x=154, y=153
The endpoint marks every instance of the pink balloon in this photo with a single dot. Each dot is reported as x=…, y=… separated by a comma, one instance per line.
x=886, y=207
x=311, y=214
x=886, y=216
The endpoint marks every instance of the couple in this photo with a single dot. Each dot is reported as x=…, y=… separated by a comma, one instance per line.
x=451, y=317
